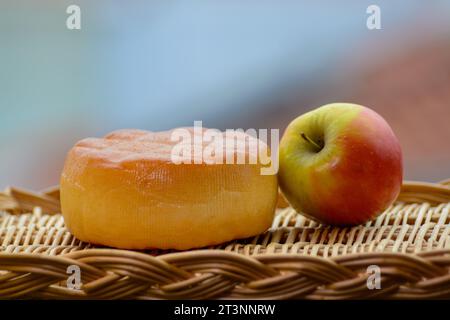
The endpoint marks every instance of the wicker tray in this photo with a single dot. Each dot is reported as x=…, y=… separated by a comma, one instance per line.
x=296, y=258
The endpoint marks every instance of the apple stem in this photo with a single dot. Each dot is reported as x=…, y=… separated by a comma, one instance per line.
x=308, y=139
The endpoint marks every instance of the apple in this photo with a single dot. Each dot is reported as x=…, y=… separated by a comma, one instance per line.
x=340, y=164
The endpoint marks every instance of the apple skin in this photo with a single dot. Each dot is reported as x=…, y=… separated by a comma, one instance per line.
x=355, y=176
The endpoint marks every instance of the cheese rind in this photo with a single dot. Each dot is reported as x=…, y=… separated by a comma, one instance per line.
x=124, y=191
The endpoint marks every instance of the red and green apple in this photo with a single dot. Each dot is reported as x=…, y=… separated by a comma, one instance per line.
x=340, y=164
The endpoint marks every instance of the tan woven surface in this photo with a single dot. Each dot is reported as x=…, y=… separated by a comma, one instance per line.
x=296, y=258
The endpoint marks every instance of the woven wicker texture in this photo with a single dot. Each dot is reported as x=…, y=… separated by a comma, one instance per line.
x=296, y=258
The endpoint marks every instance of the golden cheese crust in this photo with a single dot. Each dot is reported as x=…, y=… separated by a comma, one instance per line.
x=125, y=191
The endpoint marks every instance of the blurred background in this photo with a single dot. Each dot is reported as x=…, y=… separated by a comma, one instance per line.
x=233, y=64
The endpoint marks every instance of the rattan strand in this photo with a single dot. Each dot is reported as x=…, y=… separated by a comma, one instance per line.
x=296, y=258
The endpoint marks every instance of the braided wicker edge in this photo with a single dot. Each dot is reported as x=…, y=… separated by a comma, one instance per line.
x=207, y=274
